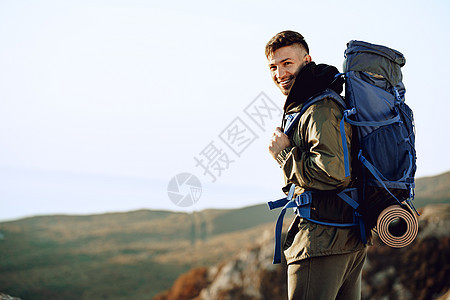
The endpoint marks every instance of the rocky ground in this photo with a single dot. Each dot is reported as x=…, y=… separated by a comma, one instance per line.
x=419, y=271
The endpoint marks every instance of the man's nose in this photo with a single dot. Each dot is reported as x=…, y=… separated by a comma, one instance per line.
x=280, y=72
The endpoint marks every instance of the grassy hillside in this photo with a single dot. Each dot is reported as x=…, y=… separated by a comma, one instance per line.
x=134, y=255
x=87, y=257
x=118, y=256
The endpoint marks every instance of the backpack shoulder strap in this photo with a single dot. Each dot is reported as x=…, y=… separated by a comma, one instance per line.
x=328, y=93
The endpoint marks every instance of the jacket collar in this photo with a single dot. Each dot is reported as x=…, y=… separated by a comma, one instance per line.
x=311, y=81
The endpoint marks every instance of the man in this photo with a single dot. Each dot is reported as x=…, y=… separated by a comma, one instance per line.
x=324, y=262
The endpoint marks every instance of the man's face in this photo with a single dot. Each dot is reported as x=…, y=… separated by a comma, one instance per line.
x=285, y=63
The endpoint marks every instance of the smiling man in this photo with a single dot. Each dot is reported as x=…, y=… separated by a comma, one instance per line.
x=285, y=63
x=324, y=261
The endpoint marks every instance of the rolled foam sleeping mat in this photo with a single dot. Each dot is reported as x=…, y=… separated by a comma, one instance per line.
x=397, y=226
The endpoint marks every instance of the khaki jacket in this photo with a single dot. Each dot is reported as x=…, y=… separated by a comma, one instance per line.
x=315, y=161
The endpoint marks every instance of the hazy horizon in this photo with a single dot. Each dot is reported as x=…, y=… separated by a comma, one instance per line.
x=151, y=90
x=80, y=192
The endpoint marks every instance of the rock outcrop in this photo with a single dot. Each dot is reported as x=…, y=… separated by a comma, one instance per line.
x=250, y=275
x=419, y=271
x=7, y=297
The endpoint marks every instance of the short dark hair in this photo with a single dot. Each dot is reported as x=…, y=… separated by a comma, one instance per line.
x=283, y=39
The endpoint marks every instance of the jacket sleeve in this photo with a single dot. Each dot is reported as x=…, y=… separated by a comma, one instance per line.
x=316, y=160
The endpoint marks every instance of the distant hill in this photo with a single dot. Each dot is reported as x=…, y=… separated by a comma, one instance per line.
x=134, y=255
x=434, y=189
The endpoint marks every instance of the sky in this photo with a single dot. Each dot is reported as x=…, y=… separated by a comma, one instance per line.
x=111, y=105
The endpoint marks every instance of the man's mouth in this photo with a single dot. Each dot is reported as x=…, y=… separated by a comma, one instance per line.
x=286, y=83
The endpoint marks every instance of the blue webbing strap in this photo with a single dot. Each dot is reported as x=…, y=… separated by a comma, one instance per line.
x=408, y=172
x=350, y=201
x=326, y=94
x=303, y=202
x=362, y=228
x=302, y=205
x=344, y=146
x=278, y=229
x=332, y=224
x=397, y=94
x=411, y=205
x=304, y=209
x=277, y=203
x=352, y=111
x=279, y=226
x=375, y=173
x=293, y=120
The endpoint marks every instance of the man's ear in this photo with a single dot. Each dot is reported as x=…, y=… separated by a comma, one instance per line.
x=307, y=58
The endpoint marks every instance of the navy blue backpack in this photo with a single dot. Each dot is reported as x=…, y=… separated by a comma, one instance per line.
x=384, y=125
x=384, y=138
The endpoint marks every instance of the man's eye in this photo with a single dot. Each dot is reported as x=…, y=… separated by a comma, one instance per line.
x=287, y=63
x=273, y=68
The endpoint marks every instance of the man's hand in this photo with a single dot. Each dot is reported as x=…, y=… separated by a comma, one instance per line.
x=278, y=142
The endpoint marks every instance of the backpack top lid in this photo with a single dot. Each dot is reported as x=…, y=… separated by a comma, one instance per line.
x=365, y=57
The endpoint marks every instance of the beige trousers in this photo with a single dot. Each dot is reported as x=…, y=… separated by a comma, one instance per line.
x=327, y=277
